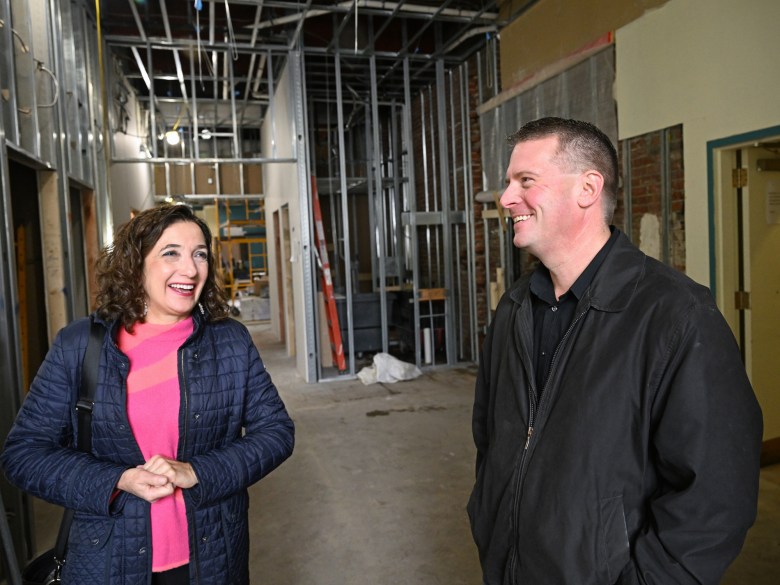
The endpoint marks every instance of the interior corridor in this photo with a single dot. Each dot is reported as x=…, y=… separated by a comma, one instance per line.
x=376, y=489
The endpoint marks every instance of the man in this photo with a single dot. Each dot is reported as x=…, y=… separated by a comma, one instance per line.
x=617, y=434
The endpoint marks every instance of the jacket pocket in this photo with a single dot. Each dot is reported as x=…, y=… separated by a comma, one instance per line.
x=234, y=512
x=87, y=557
x=614, y=534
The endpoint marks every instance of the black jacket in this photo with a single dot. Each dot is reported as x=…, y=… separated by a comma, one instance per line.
x=640, y=461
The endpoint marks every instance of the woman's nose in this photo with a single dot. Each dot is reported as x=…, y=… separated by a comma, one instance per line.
x=188, y=266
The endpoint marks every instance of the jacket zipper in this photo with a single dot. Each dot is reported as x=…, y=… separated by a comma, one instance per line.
x=182, y=454
x=532, y=412
x=185, y=397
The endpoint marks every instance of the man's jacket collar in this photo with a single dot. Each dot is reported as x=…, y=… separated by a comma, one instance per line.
x=613, y=285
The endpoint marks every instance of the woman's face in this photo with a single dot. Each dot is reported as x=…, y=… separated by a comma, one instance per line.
x=175, y=271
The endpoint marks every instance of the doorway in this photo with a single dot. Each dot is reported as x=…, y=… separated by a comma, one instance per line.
x=287, y=269
x=33, y=328
x=280, y=283
x=80, y=290
x=746, y=276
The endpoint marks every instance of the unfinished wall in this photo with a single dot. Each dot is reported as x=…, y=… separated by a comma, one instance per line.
x=280, y=181
x=651, y=166
x=555, y=29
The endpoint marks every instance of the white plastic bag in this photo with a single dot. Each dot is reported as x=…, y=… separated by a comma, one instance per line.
x=387, y=369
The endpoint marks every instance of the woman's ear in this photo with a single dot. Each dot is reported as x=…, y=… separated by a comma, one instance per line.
x=591, y=185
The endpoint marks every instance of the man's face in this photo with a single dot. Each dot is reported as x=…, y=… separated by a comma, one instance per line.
x=541, y=198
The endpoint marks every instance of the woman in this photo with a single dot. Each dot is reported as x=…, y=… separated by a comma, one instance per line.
x=185, y=418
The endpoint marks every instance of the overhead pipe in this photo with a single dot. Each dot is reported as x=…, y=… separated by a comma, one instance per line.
x=468, y=34
x=256, y=85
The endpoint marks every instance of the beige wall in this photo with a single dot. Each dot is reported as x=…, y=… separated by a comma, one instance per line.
x=710, y=65
x=555, y=29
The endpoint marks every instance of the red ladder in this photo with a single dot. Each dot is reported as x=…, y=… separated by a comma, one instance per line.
x=334, y=331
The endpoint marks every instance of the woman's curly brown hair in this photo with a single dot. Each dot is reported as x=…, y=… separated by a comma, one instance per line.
x=120, y=267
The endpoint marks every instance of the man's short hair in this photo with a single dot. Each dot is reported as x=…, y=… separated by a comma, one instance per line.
x=581, y=147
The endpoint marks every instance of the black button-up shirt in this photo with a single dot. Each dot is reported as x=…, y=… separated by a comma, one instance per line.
x=552, y=317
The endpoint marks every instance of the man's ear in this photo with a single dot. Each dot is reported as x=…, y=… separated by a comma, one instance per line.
x=591, y=185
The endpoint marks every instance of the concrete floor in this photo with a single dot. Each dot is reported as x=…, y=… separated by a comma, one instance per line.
x=376, y=489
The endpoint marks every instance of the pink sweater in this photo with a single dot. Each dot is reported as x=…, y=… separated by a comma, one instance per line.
x=153, y=398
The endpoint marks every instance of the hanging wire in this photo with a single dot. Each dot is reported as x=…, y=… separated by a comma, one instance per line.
x=41, y=67
x=198, y=8
x=231, y=34
x=25, y=48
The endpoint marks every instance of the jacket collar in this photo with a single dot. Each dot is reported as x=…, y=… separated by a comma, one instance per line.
x=618, y=278
x=613, y=284
x=198, y=321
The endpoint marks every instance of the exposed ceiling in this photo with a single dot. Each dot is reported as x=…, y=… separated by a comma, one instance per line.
x=222, y=49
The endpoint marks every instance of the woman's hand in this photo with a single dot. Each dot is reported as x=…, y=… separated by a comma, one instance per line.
x=146, y=485
x=180, y=474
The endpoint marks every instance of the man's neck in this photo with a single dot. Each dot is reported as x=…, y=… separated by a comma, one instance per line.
x=572, y=262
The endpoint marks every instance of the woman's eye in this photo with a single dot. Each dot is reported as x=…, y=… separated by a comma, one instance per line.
x=202, y=255
x=170, y=253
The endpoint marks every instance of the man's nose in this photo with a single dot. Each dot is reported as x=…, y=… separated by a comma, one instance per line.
x=508, y=197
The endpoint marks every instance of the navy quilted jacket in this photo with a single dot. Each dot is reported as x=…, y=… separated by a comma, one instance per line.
x=234, y=430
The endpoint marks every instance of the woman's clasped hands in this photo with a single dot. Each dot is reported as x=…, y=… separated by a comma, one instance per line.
x=157, y=478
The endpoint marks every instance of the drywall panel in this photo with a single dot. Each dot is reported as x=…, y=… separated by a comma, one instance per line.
x=555, y=29
x=709, y=65
x=280, y=185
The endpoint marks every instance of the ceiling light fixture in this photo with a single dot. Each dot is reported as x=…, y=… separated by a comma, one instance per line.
x=172, y=137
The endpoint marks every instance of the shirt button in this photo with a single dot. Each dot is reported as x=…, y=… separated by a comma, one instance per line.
x=553, y=309
x=95, y=541
x=204, y=539
x=196, y=416
x=142, y=550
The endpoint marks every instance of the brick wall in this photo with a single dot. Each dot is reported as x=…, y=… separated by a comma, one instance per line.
x=646, y=227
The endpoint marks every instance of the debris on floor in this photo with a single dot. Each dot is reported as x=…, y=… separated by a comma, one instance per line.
x=387, y=369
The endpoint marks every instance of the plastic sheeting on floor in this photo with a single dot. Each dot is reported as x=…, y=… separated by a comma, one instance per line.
x=387, y=369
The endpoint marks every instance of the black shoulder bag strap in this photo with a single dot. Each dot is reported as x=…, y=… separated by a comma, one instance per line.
x=89, y=377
